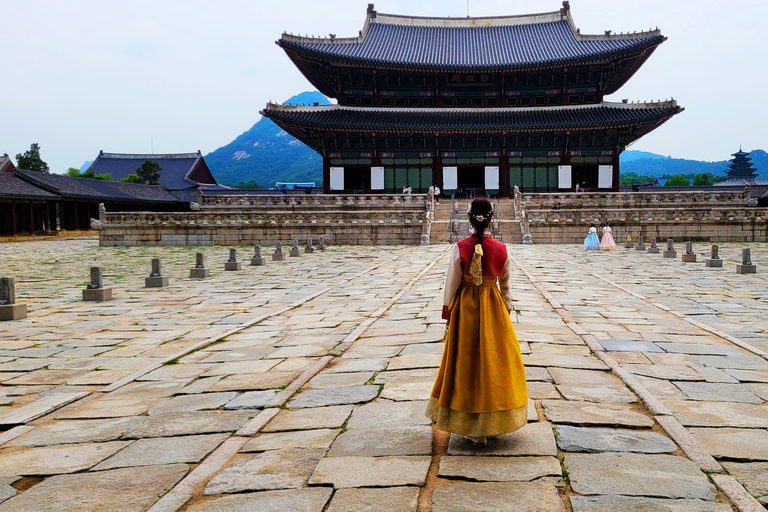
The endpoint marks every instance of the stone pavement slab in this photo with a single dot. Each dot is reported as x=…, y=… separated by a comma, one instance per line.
x=76, y=431
x=188, y=423
x=533, y=439
x=295, y=500
x=344, y=472
x=164, y=450
x=717, y=392
x=377, y=442
x=118, y=490
x=54, y=460
x=499, y=469
x=384, y=414
x=391, y=499
x=748, y=444
x=251, y=400
x=334, y=396
x=312, y=418
x=274, y=469
x=188, y=403
x=718, y=414
x=497, y=497
x=580, y=439
x=586, y=413
x=637, y=504
x=319, y=438
x=664, y=476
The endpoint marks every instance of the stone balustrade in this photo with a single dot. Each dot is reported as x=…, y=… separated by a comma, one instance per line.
x=649, y=199
x=253, y=218
x=313, y=201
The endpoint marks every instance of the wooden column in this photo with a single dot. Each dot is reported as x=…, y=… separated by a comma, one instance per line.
x=31, y=219
x=616, y=172
x=13, y=218
x=77, y=221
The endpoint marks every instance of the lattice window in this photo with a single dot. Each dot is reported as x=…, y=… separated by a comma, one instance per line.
x=426, y=179
x=553, y=179
x=541, y=179
x=389, y=181
x=529, y=179
x=515, y=178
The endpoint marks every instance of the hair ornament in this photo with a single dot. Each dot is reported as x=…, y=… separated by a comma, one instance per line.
x=480, y=218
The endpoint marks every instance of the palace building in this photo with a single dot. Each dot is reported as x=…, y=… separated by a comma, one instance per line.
x=482, y=104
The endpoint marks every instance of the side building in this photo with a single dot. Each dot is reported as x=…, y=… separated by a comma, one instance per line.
x=471, y=104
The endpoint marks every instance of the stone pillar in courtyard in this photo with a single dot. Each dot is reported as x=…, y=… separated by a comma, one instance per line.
x=257, y=259
x=670, y=252
x=278, y=255
x=746, y=267
x=689, y=256
x=295, y=252
x=629, y=244
x=9, y=309
x=714, y=260
x=232, y=263
x=95, y=291
x=199, y=272
x=653, y=249
x=156, y=278
x=309, y=248
x=640, y=245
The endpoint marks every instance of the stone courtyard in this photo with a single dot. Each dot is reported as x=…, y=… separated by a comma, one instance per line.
x=301, y=385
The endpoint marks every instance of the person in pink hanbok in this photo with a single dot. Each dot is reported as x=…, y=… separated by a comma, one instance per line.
x=607, y=243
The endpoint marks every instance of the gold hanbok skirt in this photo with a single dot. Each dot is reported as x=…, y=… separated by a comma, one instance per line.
x=480, y=388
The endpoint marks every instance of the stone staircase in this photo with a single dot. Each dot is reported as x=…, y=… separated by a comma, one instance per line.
x=505, y=228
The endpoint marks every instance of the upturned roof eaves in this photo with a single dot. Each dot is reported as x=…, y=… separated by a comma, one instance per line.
x=452, y=119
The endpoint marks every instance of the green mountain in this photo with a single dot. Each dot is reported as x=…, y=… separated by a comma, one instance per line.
x=267, y=154
x=651, y=164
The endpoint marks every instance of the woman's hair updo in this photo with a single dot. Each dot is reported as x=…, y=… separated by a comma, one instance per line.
x=480, y=213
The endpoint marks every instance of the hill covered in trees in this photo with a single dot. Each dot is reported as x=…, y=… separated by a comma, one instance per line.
x=266, y=154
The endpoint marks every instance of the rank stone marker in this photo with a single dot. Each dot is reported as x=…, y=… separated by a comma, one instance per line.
x=321, y=243
x=295, y=252
x=257, y=260
x=232, y=263
x=95, y=291
x=653, y=249
x=746, y=266
x=278, y=255
x=689, y=256
x=199, y=271
x=9, y=310
x=640, y=245
x=156, y=278
x=715, y=260
x=628, y=244
x=309, y=248
x=670, y=252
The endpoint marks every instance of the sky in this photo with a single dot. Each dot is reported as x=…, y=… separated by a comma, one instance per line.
x=177, y=76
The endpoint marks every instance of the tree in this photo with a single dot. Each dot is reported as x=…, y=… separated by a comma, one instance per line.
x=678, y=180
x=705, y=179
x=248, y=185
x=75, y=173
x=149, y=172
x=132, y=178
x=31, y=161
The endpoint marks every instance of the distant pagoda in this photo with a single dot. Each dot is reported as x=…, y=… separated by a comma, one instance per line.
x=741, y=168
x=482, y=104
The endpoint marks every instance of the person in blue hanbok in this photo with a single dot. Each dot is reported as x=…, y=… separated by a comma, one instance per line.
x=591, y=243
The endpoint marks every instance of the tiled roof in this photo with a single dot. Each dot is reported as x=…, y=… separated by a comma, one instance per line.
x=13, y=187
x=471, y=43
x=175, y=175
x=6, y=164
x=95, y=189
x=471, y=119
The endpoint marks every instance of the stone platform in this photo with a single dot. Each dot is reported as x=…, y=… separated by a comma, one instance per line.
x=302, y=386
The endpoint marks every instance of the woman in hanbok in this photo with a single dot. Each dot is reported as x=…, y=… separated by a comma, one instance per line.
x=607, y=243
x=480, y=390
x=591, y=243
